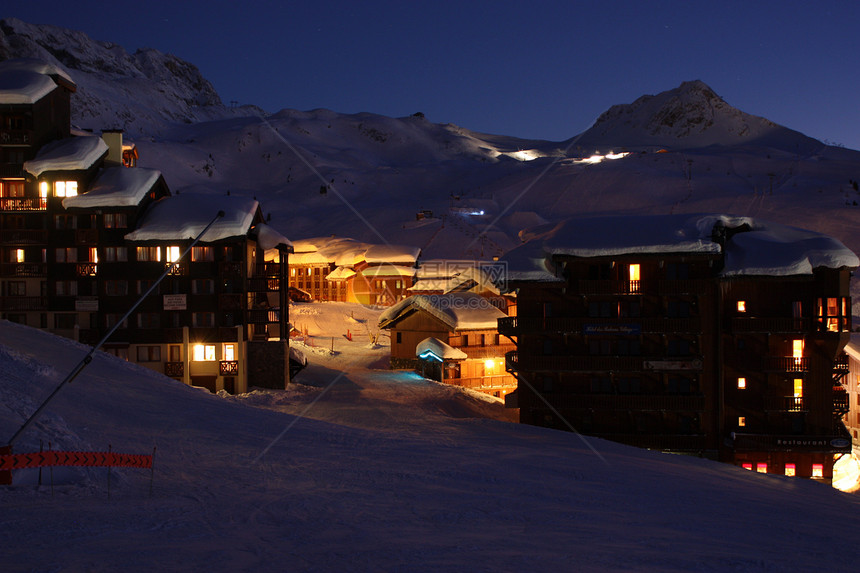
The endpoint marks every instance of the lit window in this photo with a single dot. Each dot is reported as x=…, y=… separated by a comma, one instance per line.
x=171, y=254
x=742, y=383
x=742, y=306
x=747, y=467
x=790, y=470
x=488, y=364
x=93, y=254
x=817, y=470
x=761, y=468
x=797, y=350
x=229, y=352
x=204, y=352
x=634, y=277
x=19, y=255
x=43, y=189
x=65, y=188
x=742, y=421
x=798, y=387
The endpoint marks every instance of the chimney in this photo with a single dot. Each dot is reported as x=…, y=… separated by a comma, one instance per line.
x=113, y=139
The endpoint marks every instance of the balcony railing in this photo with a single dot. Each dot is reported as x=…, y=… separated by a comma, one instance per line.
x=498, y=381
x=515, y=325
x=179, y=269
x=23, y=236
x=174, y=369
x=841, y=403
x=493, y=351
x=785, y=404
x=86, y=236
x=583, y=286
x=637, y=402
x=86, y=269
x=516, y=361
x=23, y=269
x=228, y=367
x=16, y=136
x=23, y=303
x=785, y=364
x=12, y=170
x=784, y=324
x=23, y=203
x=264, y=316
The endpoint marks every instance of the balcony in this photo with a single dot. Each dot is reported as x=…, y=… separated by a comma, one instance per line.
x=493, y=351
x=178, y=269
x=583, y=286
x=23, y=237
x=23, y=203
x=785, y=364
x=174, y=369
x=785, y=404
x=770, y=325
x=23, y=269
x=517, y=362
x=498, y=381
x=86, y=269
x=516, y=325
x=841, y=404
x=264, y=316
x=12, y=170
x=230, y=269
x=228, y=367
x=633, y=402
x=23, y=303
x=86, y=236
x=684, y=286
x=16, y=136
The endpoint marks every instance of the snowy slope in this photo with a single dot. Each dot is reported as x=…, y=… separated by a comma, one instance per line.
x=385, y=472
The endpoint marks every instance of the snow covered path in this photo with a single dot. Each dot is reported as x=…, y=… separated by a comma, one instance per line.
x=385, y=472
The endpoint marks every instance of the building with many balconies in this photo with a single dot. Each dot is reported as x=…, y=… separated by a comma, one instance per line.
x=710, y=335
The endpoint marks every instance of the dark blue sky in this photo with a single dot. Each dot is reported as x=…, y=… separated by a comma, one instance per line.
x=536, y=69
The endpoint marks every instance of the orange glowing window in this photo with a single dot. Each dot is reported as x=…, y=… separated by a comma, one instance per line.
x=798, y=387
x=790, y=470
x=742, y=383
x=761, y=468
x=633, y=270
x=747, y=467
x=742, y=306
x=817, y=470
x=742, y=421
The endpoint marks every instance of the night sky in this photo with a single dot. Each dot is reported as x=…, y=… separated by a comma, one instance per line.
x=534, y=69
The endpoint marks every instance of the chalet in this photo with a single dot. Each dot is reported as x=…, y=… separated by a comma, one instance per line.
x=85, y=234
x=443, y=276
x=343, y=269
x=711, y=335
x=452, y=338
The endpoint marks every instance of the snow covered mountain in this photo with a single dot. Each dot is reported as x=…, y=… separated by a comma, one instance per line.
x=140, y=93
x=368, y=176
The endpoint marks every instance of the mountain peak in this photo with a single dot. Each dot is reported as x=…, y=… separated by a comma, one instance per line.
x=689, y=116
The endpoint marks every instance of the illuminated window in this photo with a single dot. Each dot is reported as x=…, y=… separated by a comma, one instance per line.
x=488, y=364
x=742, y=421
x=19, y=255
x=229, y=352
x=761, y=468
x=790, y=470
x=93, y=255
x=115, y=221
x=797, y=350
x=65, y=188
x=151, y=254
x=742, y=383
x=798, y=387
x=817, y=470
x=634, y=277
x=43, y=189
x=171, y=254
x=202, y=254
x=747, y=467
x=742, y=306
x=204, y=353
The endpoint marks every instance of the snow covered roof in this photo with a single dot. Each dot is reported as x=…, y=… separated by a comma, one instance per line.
x=753, y=248
x=69, y=154
x=459, y=311
x=344, y=251
x=116, y=187
x=450, y=275
x=340, y=274
x=388, y=271
x=26, y=81
x=184, y=216
x=269, y=238
x=439, y=349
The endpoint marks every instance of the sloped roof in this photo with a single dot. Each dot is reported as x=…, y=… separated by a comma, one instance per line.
x=344, y=251
x=69, y=154
x=184, y=216
x=26, y=81
x=458, y=311
x=116, y=187
x=439, y=349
